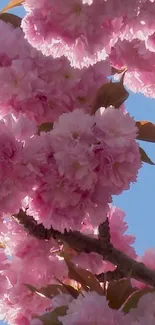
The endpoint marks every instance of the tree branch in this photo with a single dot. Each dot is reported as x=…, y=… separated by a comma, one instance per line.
x=83, y=243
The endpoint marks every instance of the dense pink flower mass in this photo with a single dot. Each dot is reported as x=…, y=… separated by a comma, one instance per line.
x=144, y=311
x=32, y=261
x=149, y=260
x=91, y=308
x=140, y=65
x=63, y=179
x=85, y=31
x=79, y=165
x=43, y=88
x=90, y=31
x=12, y=172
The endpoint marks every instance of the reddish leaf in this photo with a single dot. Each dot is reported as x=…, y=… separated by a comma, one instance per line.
x=11, y=5
x=50, y=291
x=2, y=245
x=69, y=289
x=30, y=287
x=11, y=18
x=133, y=300
x=87, y=280
x=52, y=317
x=45, y=127
x=118, y=292
x=67, y=253
x=146, y=131
x=110, y=94
x=144, y=157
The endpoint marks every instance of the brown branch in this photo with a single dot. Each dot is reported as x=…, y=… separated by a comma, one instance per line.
x=83, y=243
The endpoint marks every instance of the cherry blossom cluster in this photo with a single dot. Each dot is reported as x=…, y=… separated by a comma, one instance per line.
x=50, y=72
x=31, y=262
x=81, y=30
x=91, y=308
x=86, y=32
x=64, y=178
x=42, y=88
x=71, y=172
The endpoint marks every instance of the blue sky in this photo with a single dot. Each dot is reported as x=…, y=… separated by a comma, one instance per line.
x=138, y=201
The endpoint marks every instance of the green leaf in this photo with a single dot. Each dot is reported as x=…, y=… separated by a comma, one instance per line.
x=11, y=19
x=146, y=131
x=110, y=94
x=144, y=157
x=45, y=127
x=12, y=4
x=118, y=292
x=87, y=280
x=52, y=317
x=133, y=300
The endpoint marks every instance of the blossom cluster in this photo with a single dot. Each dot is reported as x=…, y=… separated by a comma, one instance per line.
x=91, y=308
x=65, y=178
x=42, y=88
x=80, y=30
x=71, y=172
x=32, y=262
x=86, y=32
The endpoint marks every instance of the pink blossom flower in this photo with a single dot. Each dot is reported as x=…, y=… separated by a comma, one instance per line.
x=118, y=228
x=66, y=29
x=10, y=160
x=114, y=127
x=36, y=321
x=32, y=262
x=43, y=88
x=117, y=167
x=20, y=319
x=61, y=300
x=85, y=31
x=22, y=127
x=149, y=260
x=91, y=308
x=77, y=169
x=92, y=262
x=139, y=76
x=144, y=311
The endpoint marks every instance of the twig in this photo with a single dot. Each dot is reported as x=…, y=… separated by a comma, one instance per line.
x=104, y=232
